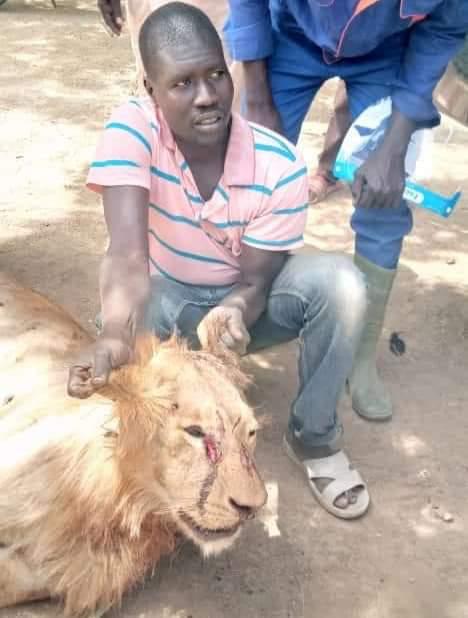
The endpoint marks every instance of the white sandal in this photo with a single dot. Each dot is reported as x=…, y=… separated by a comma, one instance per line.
x=344, y=478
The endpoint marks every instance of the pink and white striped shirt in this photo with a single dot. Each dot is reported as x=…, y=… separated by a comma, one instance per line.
x=261, y=199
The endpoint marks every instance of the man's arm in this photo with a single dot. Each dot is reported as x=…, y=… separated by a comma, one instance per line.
x=267, y=241
x=433, y=42
x=242, y=307
x=124, y=275
x=124, y=285
x=249, y=38
x=248, y=31
x=258, y=270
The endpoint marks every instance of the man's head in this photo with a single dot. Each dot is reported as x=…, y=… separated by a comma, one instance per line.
x=186, y=73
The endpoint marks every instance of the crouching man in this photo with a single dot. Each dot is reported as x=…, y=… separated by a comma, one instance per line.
x=203, y=210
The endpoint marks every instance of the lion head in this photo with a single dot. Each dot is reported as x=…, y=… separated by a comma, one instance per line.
x=187, y=432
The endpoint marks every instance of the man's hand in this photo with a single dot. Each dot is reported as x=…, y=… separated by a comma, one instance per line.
x=259, y=105
x=380, y=181
x=91, y=371
x=264, y=114
x=225, y=324
x=111, y=11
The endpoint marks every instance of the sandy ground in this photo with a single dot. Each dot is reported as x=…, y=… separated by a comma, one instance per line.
x=60, y=77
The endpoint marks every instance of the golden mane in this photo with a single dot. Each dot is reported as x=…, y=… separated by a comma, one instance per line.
x=91, y=491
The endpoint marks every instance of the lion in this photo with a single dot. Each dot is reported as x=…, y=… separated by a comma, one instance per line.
x=93, y=492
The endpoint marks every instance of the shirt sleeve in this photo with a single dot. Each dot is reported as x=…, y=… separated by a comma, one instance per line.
x=433, y=42
x=123, y=155
x=248, y=33
x=281, y=225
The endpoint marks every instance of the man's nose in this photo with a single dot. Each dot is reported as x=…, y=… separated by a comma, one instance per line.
x=206, y=95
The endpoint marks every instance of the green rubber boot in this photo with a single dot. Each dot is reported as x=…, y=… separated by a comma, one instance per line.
x=370, y=398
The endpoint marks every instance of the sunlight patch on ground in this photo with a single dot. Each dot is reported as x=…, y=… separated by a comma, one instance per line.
x=410, y=444
x=268, y=516
x=457, y=610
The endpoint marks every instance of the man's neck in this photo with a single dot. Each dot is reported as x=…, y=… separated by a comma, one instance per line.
x=206, y=164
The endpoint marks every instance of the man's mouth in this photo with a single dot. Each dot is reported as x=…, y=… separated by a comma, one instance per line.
x=209, y=120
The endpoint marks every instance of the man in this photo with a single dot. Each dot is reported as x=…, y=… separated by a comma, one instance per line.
x=379, y=48
x=203, y=211
x=138, y=10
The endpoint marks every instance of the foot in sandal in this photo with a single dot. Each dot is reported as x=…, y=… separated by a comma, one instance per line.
x=335, y=484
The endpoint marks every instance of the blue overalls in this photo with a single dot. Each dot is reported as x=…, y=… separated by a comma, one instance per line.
x=379, y=48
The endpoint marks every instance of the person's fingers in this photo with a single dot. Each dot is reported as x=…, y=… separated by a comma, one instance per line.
x=357, y=188
x=117, y=13
x=397, y=195
x=387, y=197
x=108, y=16
x=237, y=330
x=228, y=340
x=371, y=198
x=101, y=369
x=79, y=382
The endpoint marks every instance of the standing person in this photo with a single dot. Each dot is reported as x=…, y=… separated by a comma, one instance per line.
x=204, y=210
x=379, y=48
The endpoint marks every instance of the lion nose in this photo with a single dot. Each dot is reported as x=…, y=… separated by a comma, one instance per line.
x=244, y=511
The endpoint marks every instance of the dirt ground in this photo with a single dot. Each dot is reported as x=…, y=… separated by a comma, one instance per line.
x=60, y=76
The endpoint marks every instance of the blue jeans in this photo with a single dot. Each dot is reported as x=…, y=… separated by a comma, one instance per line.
x=319, y=299
x=297, y=70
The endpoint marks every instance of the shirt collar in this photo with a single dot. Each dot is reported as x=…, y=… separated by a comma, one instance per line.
x=239, y=165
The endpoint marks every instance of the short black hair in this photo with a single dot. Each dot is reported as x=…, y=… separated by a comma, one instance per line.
x=172, y=24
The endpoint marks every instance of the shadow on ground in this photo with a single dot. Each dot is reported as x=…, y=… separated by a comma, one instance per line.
x=60, y=77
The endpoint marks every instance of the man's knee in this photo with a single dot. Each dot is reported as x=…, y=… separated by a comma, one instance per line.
x=350, y=297
x=326, y=282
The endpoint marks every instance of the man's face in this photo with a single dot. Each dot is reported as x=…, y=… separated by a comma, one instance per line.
x=194, y=90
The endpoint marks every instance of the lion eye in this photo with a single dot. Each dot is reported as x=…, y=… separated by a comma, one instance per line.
x=252, y=433
x=195, y=431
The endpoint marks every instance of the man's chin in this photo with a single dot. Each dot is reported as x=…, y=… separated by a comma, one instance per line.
x=212, y=140
x=212, y=134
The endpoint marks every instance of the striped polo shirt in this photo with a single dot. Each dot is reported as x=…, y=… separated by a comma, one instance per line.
x=260, y=200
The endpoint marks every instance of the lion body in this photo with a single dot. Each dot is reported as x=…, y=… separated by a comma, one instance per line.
x=90, y=491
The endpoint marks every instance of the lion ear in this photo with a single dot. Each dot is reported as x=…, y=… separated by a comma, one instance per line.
x=213, y=344
x=139, y=398
x=228, y=361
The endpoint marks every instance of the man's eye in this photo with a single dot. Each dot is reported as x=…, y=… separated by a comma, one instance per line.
x=195, y=431
x=183, y=83
x=218, y=74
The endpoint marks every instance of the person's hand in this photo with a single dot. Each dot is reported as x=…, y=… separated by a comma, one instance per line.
x=380, y=181
x=264, y=114
x=224, y=325
x=111, y=11
x=92, y=369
